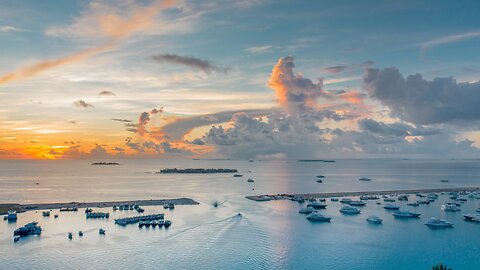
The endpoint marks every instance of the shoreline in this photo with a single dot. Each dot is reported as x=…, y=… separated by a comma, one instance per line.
x=259, y=198
x=20, y=208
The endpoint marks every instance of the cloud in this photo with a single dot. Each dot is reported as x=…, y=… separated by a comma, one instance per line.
x=82, y=104
x=112, y=26
x=419, y=101
x=106, y=93
x=189, y=61
x=259, y=49
x=9, y=28
x=121, y=120
x=395, y=129
x=335, y=69
x=449, y=39
x=143, y=120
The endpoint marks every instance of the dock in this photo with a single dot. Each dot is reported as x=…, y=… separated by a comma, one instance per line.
x=270, y=197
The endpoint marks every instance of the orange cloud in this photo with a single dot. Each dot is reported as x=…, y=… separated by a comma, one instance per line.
x=353, y=97
x=112, y=25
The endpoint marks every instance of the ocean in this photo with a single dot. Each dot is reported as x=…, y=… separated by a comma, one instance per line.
x=267, y=235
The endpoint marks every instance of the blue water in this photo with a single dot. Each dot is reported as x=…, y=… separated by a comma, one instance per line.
x=268, y=235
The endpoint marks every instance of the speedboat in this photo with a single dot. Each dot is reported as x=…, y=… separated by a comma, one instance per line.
x=357, y=203
x=413, y=204
x=472, y=217
x=238, y=175
x=12, y=215
x=317, y=205
x=450, y=208
x=390, y=199
x=319, y=181
x=345, y=200
x=405, y=214
x=250, y=180
x=317, y=216
x=334, y=199
x=364, y=179
x=101, y=231
x=46, y=213
x=438, y=223
x=390, y=206
x=306, y=210
x=320, y=176
x=349, y=210
x=374, y=219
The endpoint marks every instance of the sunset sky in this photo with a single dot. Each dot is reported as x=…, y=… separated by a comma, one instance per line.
x=239, y=79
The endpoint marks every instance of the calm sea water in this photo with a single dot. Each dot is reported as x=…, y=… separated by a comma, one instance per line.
x=268, y=235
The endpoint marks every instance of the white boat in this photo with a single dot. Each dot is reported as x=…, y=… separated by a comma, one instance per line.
x=450, y=208
x=317, y=205
x=345, y=200
x=374, y=219
x=306, y=210
x=317, y=216
x=405, y=214
x=12, y=215
x=472, y=217
x=357, y=203
x=349, y=210
x=438, y=223
x=390, y=206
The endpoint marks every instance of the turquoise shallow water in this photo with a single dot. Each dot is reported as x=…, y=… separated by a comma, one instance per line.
x=268, y=235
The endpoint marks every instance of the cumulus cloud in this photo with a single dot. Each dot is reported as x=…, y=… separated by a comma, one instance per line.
x=395, y=129
x=189, y=61
x=106, y=93
x=419, y=101
x=334, y=69
x=82, y=104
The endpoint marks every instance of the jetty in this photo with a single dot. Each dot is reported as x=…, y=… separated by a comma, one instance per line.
x=266, y=197
x=19, y=208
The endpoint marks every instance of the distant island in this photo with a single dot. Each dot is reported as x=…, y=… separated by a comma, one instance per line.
x=316, y=160
x=199, y=170
x=105, y=163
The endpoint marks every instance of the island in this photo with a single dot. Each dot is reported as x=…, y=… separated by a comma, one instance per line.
x=105, y=163
x=196, y=171
x=316, y=160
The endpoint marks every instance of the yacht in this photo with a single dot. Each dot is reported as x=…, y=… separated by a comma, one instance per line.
x=438, y=223
x=403, y=198
x=317, y=205
x=345, y=200
x=423, y=201
x=319, y=181
x=390, y=206
x=357, y=203
x=167, y=223
x=317, y=216
x=250, y=180
x=347, y=209
x=450, y=208
x=413, y=204
x=374, y=219
x=238, y=175
x=405, y=214
x=306, y=210
x=46, y=213
x=29, y=229
x=12, y=215
x=334, y=199
x=389, y=199
x=364, y=179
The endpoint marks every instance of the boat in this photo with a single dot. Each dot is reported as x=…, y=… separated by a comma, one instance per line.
x=478, y=210
x=334, y=199
x=167, y=223
x=444, y=181
x=46, y=213
x=389, y=199
x=390, y=206
x=450, y=207
x=70, y=235
x=319, y=181
x=31, y=228
x=298, y=199
x=438, y=223
x=423, y=201
x=88, y=210
x=306, y=210
x=403, y=198
x=472, y=217
x=349, y=210
x=80, y=233
x=55, y=216
x=317, y=216
x=12, y=215
x=101, y=231
x=250, y=180
x=405, y=214
x=317, y=205
x=413, y=204
x=345, y=200
x=115, y=208
x=238, y=175
x=69, y=209
x=16, y=238
x=320, y=176
x=374, y=219
x=357, y=203
x=364, y=179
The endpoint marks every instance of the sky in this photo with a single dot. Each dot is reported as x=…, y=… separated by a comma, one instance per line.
x=247, y=79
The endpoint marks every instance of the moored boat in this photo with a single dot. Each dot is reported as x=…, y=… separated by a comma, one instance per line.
x=374, y=219
x=438, y=223
x=390, y=206
x=349, y=210
x=317, y=216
